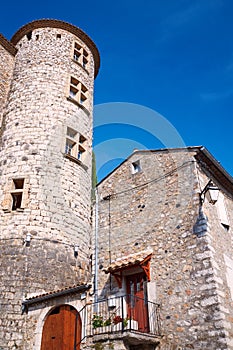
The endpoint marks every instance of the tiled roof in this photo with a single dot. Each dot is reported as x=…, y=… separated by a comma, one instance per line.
x=57, y=293
x=128, y=261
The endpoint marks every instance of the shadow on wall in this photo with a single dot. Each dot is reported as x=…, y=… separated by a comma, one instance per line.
x=200, y=228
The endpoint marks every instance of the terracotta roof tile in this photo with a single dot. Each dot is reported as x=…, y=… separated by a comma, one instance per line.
x=58, y=292
x=128, y=261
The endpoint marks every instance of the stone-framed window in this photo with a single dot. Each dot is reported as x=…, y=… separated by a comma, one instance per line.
x=80, y=55
x=78, y=91
x=75, y=144
x=16, y=195
x=136, y=167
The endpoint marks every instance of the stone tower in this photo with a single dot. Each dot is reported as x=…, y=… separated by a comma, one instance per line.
x=48, y=70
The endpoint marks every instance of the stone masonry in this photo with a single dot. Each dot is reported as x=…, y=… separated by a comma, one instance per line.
x=7, y=53
x=53, y=185
x=159, y=208
x=52, y=253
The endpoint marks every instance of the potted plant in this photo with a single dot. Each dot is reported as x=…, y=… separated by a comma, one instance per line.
x=97, y=321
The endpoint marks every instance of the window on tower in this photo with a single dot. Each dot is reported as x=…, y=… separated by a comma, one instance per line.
x=80, y=56
x=17, y=193
x=75, y=144
x=78, y=91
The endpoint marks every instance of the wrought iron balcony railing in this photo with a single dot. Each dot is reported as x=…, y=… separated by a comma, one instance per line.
x=121, y=314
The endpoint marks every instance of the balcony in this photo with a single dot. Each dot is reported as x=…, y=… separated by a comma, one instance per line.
x=126, y=317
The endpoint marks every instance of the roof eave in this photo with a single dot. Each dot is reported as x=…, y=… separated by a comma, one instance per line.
x=63, y=292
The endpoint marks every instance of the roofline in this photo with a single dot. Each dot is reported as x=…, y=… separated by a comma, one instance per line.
x=59, y=293
x=202, y=155
x=8, y=45
x=192, y=148
x=215, y=168
x=53, y=23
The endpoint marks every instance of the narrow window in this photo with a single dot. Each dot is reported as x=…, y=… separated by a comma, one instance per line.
x=58, y=36
x=83, y=94
x=85, y=59
x=29, y=35
x=77, y=52
x=17, y=193
x=136, y=168
x=81, y=149
x=71, y=142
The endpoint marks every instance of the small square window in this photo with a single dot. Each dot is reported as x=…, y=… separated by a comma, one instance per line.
x=136, y=168
x=18, y=183
x=71, y=132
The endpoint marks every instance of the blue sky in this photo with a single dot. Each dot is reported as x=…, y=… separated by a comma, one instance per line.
x=172, y=56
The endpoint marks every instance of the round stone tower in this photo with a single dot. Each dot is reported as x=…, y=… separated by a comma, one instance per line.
x=45, y=164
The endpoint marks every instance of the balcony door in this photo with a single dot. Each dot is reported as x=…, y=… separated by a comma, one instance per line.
x=62, y=329
x=137, y=307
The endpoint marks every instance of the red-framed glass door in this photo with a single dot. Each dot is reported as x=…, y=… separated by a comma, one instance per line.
x=137, y=307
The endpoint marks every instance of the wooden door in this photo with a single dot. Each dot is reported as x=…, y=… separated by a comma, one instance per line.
x=62, y=329
x=137, y=307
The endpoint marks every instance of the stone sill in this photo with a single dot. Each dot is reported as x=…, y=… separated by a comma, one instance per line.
x=75, y=160
x=18, y=210
x=78, y=104
x=131, y=337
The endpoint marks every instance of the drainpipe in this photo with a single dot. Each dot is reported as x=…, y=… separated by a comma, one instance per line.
x=96, y=248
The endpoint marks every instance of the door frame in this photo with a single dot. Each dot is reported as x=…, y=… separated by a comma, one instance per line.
x=137, y=300
x=66, y=312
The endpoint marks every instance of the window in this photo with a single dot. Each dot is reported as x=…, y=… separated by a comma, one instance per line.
x=136, y=168
x=80, y=55
x=222, y=212
x=75, y=144
x=17, y=194
x=29, y=35
x=78, y=91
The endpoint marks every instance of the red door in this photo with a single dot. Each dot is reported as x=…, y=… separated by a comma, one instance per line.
x=137, y=300
x=62, y=329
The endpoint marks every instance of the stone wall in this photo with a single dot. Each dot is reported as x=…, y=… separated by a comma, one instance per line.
x=7, y=53
x=159, y=208
x=220, y=255
x=56, y=204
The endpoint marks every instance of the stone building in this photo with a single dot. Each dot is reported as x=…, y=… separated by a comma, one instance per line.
x=165, y=237
x=149, y=265
x=47, y=73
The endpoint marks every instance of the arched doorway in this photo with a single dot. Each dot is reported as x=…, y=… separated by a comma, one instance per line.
x=62, y=329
